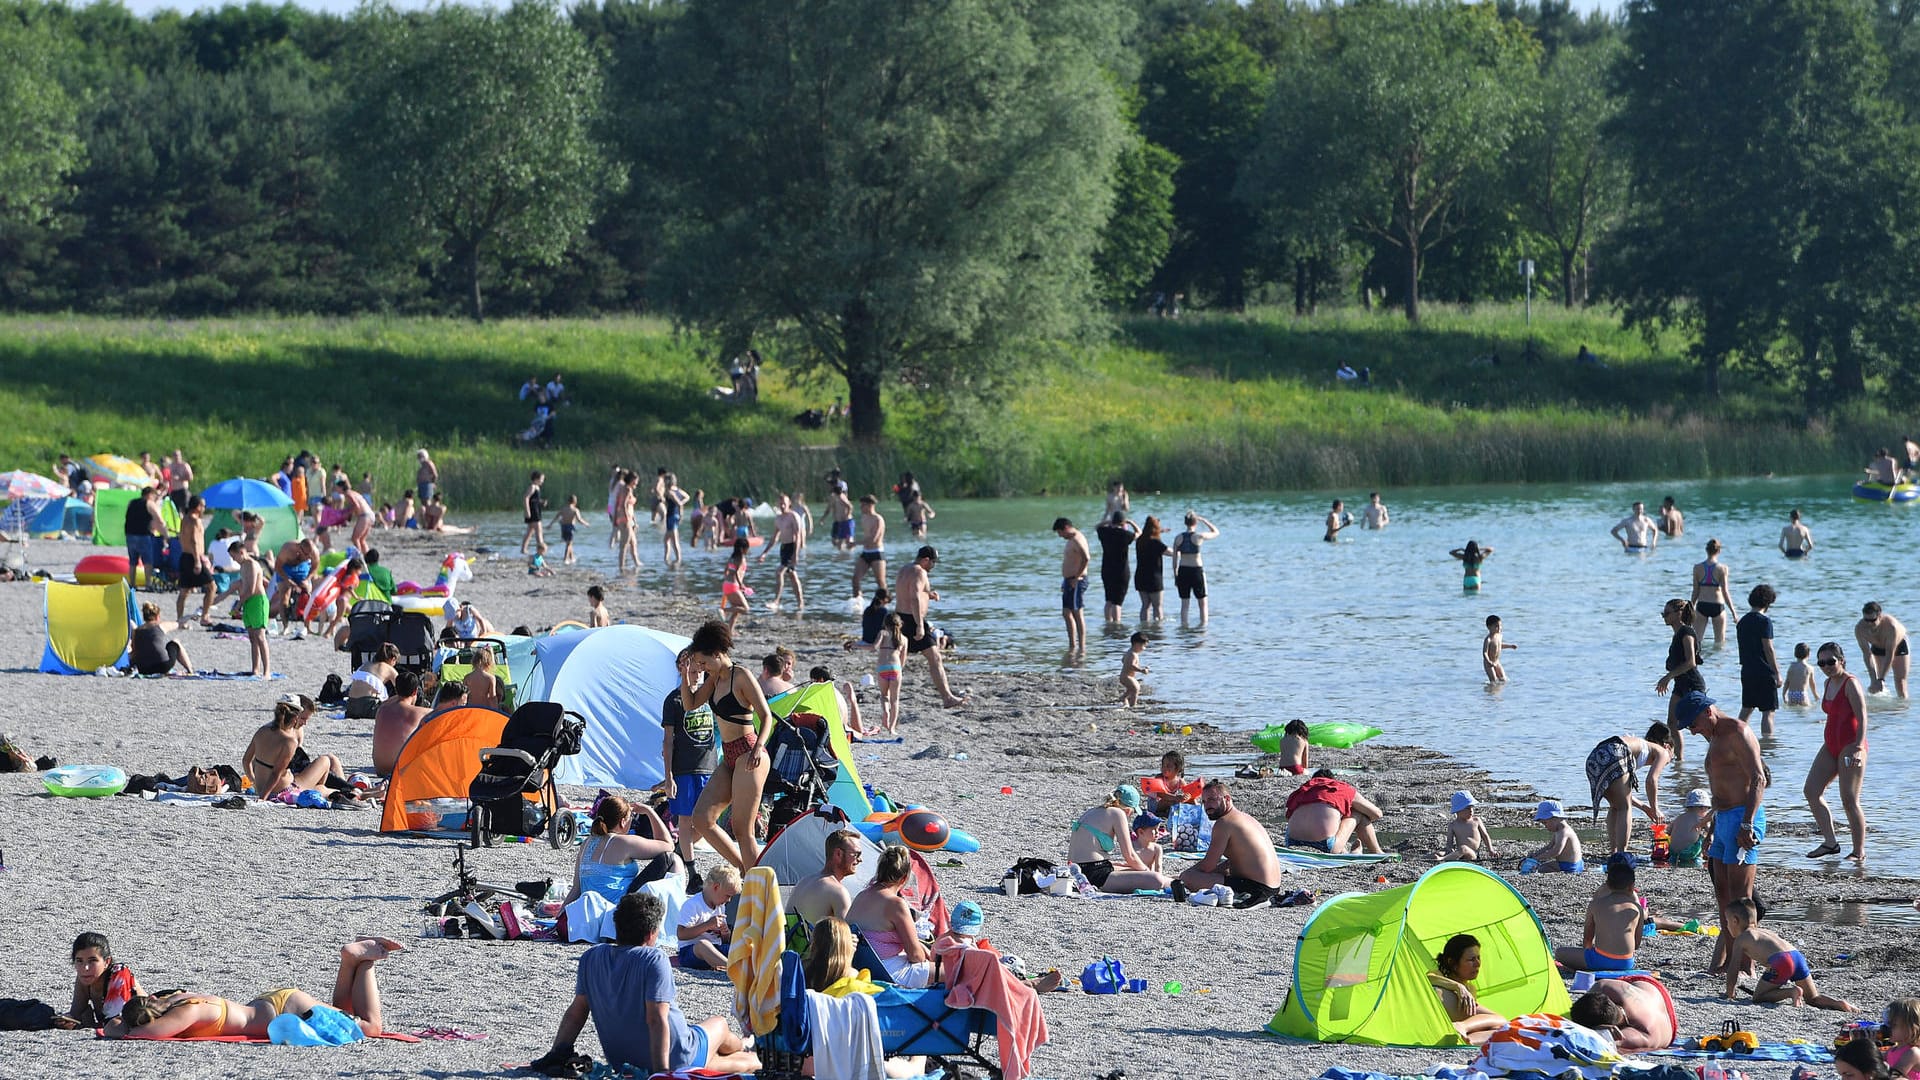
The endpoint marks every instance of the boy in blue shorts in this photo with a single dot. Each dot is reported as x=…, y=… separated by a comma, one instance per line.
x=688, y=750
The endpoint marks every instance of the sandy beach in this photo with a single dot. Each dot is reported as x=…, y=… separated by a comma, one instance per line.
x=234, y=902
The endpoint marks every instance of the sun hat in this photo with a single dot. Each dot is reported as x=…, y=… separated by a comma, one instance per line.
x=1128, y=795
x=1699, y=797
x=1462, y=800
x=1548, y=809
x=966, y=918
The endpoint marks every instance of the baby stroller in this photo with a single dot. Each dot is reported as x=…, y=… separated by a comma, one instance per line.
x=536, y=737
x=803, y=769
x=368, y=624
x=412, y=633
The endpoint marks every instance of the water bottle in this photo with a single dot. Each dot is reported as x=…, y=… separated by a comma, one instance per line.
x=1080, y=882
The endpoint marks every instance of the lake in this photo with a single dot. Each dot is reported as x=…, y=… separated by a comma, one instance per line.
x=1376, y=627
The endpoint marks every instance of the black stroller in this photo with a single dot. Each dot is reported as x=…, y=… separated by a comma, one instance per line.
x=536, y=737
x=803, y=768
x=368, y=624
x=412, y=633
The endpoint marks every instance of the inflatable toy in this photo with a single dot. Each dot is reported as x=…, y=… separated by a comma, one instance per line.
x=921, y=830
x=332, y=586
x=85, y=781
x=101, y=569
x=1868, y=491
x=1153, y=787
x=1267, y=739
x=1339, y=734
x=453, y=571
x=877, y=827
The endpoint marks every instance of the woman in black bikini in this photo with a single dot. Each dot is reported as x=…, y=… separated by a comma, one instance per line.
x=740, y=710
x=1712, y=596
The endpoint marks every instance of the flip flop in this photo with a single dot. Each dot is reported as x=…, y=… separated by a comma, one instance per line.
x=1824, y=851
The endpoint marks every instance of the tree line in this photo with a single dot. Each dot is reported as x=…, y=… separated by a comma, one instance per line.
x=925, y=193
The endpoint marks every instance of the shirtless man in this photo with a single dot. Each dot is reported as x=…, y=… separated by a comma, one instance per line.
x=822, y=895
x=1637, y=531
x=786, y=533
x=1883, y=642
x=1885, y=469
x=912, y=592
x=252, y=590
x=1337, y=519
x=1073, y=583
x=395, y=721
x=840, y=511
x=196, y=569
x=872, y=530
x=1325, y=814
x=292, y=567
x=1375, y=515
x=1737, y=779
x=1240, y=856
x=179, y=480
x=1672, y=522
x=1635, y=1009
x=1796, y=540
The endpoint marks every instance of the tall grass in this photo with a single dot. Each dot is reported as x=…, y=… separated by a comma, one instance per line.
x=1207, y=403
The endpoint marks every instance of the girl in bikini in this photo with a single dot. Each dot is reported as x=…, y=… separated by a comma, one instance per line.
x=743, y=723
x=733, y=585
x=101, y=988
x=1470, y=558
x=199, y=1016
x=1712, y=596
x=888, y=651
x=269, y=758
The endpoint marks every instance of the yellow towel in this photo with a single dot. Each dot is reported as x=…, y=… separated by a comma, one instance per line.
x=753, y=957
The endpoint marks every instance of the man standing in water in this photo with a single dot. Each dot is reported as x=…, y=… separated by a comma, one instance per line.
x=872, y=531
x=1883, y=641
x=1738, y=781
x=1375, y=515
x=1796, y=540
x=1637, y=531
x=1337, y=519
x=1672, y=522
x=912, y=592
x=1073, y=583
x=786, y=533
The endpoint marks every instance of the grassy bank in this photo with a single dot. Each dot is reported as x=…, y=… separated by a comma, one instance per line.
x=1205, y=403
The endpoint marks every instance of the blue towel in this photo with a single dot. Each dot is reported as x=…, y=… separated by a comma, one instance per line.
x=1439, y=1072
x=1818, y=1055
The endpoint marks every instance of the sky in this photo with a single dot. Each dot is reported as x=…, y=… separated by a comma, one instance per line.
x=147, y=7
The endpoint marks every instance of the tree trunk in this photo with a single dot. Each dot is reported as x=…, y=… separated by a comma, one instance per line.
x=1413, y=276
x=1849, y=379
x=1299, y=286
x=470, y=264
x=865, y=366
x=1567, y=257
x=1712, y=367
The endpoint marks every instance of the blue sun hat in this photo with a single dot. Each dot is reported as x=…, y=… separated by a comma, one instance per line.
x=1462, y=800
x=967, y=919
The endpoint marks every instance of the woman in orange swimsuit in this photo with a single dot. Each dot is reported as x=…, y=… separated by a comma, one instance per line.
x=744, y=722
x=200, y=1016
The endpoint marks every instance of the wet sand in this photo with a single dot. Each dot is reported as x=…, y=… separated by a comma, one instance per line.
x=234, y=902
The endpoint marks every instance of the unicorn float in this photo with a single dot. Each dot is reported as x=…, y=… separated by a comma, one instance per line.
x=438, y=597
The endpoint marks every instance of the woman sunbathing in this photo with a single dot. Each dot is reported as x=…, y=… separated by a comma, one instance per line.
x=1459, y=963
x=270, y=758
x=198, y=1016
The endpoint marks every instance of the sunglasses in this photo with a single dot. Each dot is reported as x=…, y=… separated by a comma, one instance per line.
x=1829, y=662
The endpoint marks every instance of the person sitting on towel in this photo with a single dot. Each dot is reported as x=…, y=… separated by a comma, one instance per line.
x=150, y=651
x=371, y=685
x=1240, y=855
x=1614, y=920
x=884, y=917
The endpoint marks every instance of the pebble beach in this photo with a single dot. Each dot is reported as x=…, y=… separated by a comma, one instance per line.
x=232, y=902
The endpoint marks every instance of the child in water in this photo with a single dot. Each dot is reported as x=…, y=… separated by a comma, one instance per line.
x=1799, y=681
x=1131, y=669
x=1562, y=850
x=1784, y=973
x=101, y=988
x=1490, y=650
x=569, y=519
x=1467, y=838
x=1459, y=964
x=733, y=584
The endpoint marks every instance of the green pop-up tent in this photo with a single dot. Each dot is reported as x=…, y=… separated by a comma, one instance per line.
x=1360, y=964
x=110, y=516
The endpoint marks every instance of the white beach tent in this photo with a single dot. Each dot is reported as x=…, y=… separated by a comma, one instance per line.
x=615, y=677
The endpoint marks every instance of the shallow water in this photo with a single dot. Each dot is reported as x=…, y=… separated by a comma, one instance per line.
x=1377, y=628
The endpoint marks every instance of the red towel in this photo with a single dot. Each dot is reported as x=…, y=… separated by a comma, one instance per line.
x=976, y=979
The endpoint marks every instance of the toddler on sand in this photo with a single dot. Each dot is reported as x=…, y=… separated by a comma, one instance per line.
x=1784, y=974
x=1467, y=838
x=1562, y=850
x=1131, y=669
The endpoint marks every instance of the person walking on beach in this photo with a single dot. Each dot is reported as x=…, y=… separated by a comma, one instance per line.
x=1672, y=522
x=534, y=502
x=1712, y=595
x=1796, y=540
x=873, y=546
x=1842, y=754
x=1636, y=531
x=1760, y=680
x=179, y=480
x=1116, y=535
x=1073, y=582
x=1683, y=666
x=913, y=591
x=1737, y=779
x=196, y=570
x=1375, y=515
x=1149, y=569
x=786, y=533
x=1883, y=643
x=1189, y=575
x=1337, y=519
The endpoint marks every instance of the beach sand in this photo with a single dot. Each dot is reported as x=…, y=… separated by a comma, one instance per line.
x=235, y=902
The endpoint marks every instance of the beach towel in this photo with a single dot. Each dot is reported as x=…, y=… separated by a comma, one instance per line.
x=1438, y=1072
x=1768, y=1051
x=753, y=958
x=1554, y=1046
x=976, y=979
x=846, y=1037
x=203, y=676
x=257, y=1040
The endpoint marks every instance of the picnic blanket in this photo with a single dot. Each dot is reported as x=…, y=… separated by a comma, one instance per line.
x=1768, y=1051
x=1438, y=1072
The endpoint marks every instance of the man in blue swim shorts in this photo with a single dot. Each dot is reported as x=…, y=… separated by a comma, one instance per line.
x=1737, y=779
x=1073, y=582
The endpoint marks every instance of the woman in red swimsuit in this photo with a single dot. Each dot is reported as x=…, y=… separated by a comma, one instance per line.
x=1842, y=754
x=743, y=722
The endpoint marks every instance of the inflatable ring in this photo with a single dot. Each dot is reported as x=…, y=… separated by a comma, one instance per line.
x=101, y=569
x=85, y=781
x=1869, y=491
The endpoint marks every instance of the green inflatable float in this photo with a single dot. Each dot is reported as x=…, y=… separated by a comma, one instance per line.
x=1338, y=734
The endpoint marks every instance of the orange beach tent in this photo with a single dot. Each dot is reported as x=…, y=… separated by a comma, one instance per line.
x=440, y=760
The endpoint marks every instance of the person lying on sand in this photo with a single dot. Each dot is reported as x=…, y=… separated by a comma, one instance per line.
x=1635, y=1009
x=1240, y=855
x=185, y=1015
x=101, y=987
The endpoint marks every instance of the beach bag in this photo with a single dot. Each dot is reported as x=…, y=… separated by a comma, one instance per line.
x=1103, y=976
x=25, y=1014
x=362, y=708
x=1188, y=827
x=333, y=691
x=1021, y=878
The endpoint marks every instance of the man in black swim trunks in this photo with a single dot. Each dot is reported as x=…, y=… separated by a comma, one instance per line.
x=1883, y=641
x=913, y=591
x=873, y=546
x=786, y=526
x=1240, y=855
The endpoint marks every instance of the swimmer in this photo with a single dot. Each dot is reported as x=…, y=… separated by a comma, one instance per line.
x=1672, y=522
x=1467, y=838
x=1636, y=531
x=1337, y=519
x=1796, y=540
x=1883, y=642
x=1131, y=669
x=1375, y=515
x=1799, y=679
x=1490, y=650
x=1471, y=557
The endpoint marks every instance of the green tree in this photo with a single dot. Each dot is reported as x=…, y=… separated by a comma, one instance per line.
x=39, y=137
x=1386, y=124
x=1140, y=232
x=1567, y=177
x=1204, y=93
x=896, y=191
x=466, y=135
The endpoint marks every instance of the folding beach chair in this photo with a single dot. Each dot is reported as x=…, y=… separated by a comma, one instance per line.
x=919, y=1022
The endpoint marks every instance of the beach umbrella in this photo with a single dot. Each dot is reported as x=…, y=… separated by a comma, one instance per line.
x=116, y=470
x=243, y=494
x=21, y=484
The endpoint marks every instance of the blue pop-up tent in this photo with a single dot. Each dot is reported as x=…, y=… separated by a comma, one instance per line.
x=615, y=677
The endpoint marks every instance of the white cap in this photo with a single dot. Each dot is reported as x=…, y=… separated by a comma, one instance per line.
x=1699, y=797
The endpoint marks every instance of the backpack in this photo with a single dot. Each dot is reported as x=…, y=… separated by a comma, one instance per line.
x=25, y=1015
x=1186, y=543
x=1019, y=879
x=333, y=691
